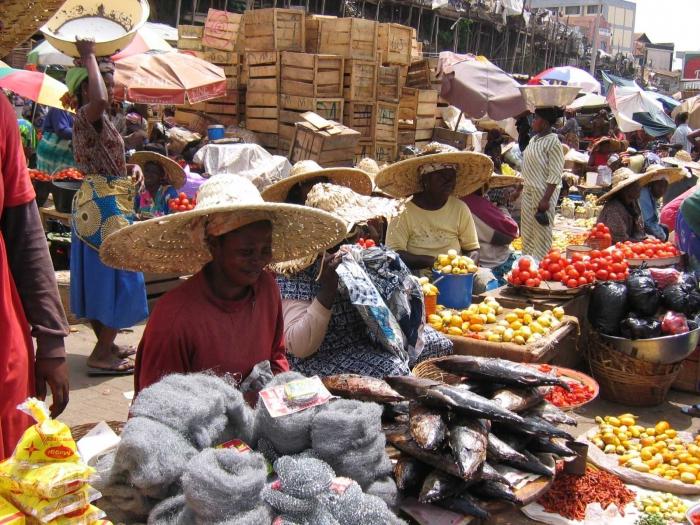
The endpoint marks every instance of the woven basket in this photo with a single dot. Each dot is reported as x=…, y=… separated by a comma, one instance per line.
x=22, y=18
x=428, y=370
x=626, y=380
x=78, y=431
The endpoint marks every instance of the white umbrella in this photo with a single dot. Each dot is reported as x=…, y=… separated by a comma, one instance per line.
x=635, y=109
x=589, y=100
x=569, y=75
x=45, y=54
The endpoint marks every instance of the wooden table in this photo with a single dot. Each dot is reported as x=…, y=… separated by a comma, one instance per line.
x=49, y=212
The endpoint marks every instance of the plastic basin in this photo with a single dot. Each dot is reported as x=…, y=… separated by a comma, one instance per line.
x=455, y=291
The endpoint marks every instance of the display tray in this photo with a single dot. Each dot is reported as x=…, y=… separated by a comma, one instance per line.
x=552, y=289
x=655, y=263
x=575, y=375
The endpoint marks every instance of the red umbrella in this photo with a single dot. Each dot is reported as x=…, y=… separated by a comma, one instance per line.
x=167, y=78
x=145, y=40
x=480, y=89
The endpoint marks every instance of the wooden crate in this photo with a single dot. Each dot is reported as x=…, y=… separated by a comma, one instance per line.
x=385, y=151
x=389, y=84
x=419, y=75
x=416, y=46
x=386, y=122
x=395, y=44
x=189, y=44
x=363, y=150
x=360, y=80
x=188, y=31
x=348, y=37
x=222, y=30
x=269, y=141
x=262, y=112
x=331, y=147
x=292, y=107
x=418, y=103
x=228, y=105
x=360, y=116
x=310, y=75
x=199, y=121
x=688, y=379
x=407, y=136
x=456, y=139
x=263, y=71
x=274, y=30
x=312, y=33
x=218, y=57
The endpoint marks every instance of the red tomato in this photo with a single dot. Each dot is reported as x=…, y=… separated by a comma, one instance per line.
x=524, y=275
x=369, y=243
x=618, y=267
x=545, y=263
x=580, y=267
x=590, y=276
x=555, y=255
x=182, y=208
x=559, y=276
x=531, y=283
x=546, y=275
x=524, y=263
x=582, y=281
x=515, y=273
x=572, y=273
x=572, y=283
x=613, y=276
x=577, y=257
x=554, y=268
x=182, y=195
x=594, y=254
x=602, y=275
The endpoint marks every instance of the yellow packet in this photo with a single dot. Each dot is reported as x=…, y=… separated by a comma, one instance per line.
x=50, y=480
x=101, y=522
x=9, y=515
x=85, y=516
x=45, y=509
x=48, y=441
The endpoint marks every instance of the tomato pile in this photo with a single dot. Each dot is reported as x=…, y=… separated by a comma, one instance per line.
x=648, y=249
x=601, y=234
x=579, y=271
x=366, y=243
x=40, y=176
x=69, y=174
x=695, y=519
x=579, y=394
x=182, y=203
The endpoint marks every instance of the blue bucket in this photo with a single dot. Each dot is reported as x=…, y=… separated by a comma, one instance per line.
x=215, y=132
x=455, y=291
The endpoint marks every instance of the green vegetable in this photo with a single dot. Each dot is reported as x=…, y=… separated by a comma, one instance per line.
x=651, y=519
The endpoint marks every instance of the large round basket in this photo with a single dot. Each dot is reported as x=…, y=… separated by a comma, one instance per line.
x=627, y=380
x=428, y=370
x=78, y=431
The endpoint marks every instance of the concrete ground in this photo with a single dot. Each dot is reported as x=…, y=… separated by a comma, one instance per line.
x=93, y=399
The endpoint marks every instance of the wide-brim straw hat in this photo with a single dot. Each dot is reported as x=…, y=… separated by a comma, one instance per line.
x=348, y=206
x=682, y=160
x=503, y=181
x=610, y=145
x=402, y=179
x=177, y=243
x=355, y=179
x=173, y=171
x=624, y=177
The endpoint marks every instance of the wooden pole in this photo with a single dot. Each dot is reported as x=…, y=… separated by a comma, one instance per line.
x=178, y=9
x=420, y=15
x=194, y=9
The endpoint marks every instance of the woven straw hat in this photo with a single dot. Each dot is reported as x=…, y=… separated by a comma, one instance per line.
x=625, y=177
x=503, y=181
x=355, y=179
x=368, y=165
x=682, y=160
x=348, y=206
x=401, y=179
x=173, y=171
x=177, y=243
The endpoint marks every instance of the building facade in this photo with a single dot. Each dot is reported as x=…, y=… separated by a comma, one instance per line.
x=619, y=17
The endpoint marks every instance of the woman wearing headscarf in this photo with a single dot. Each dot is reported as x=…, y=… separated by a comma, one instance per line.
x=111, y=299
x=543, y=164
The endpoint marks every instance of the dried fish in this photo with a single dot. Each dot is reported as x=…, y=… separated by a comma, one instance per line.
x=362, y=388
x=439, y=485
x=427, y=426
x=468, y=439
x=409, y=473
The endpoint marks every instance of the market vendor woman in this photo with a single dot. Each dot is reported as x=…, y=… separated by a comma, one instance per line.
x=162, y=177
x=227, y=317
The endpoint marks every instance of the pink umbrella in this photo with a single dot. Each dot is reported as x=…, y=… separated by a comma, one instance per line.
x=479, y=88
x=145, y=40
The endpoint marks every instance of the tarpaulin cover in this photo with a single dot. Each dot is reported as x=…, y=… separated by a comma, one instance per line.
x=634, y=110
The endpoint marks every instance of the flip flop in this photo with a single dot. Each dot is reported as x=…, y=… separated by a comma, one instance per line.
x=126, y=351
x=692, y=411
x=115, y=370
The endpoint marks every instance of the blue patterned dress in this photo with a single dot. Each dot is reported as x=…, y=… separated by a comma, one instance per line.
x=349, y=347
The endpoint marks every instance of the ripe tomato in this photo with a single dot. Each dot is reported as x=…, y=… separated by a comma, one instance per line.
x=577, y=257
x=545, y=263
x=182, y=195
x=531, y=283
x=559, y=276
x=613, y=276
x=572, y=273
x=185, y=202
x=515, y=273
x=546, y=275
x=590, y=276
x=555, y=268
x=582, y=281
x=580, y=267
x=602, y=275
x=524, y=275
x=594, y=254
x=555, y=255
x=182, y=208
x=572, y=283
x=524, y=263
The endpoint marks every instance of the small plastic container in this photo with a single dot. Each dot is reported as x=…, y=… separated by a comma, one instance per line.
x=216, y=132
x=455, y=291
x=63, y=193
x=430, y=305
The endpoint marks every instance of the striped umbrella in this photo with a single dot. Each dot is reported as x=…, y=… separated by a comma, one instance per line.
x=33, y=85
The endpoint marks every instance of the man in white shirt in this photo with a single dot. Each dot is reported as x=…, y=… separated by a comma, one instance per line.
x=683, y=135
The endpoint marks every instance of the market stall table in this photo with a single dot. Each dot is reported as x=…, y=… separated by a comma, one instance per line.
x=49, y=212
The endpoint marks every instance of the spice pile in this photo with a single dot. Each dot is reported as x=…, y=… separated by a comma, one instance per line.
x=570, y=495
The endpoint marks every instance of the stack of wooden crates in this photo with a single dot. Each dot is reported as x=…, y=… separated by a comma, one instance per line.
x=217, y=42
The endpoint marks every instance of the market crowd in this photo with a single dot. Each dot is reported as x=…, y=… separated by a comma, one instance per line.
x=276, y=278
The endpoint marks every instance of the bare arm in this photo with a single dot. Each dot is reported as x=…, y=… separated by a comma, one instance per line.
x=544, y=203
x=474, y=256
x=98, y=100
x=416, y=262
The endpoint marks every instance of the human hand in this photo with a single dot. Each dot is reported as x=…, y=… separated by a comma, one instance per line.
x=328, y=280
x=54, y=372
x=85, y=47
x=137, y=176
x=543, y=206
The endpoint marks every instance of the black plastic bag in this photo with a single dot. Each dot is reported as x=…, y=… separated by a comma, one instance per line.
x=688, y=281
x=642, y=294
x=682, y=299
x=634, y=328
x=608, y=307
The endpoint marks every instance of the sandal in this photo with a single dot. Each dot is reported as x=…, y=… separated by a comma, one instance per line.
x=122, y=352
x=119, y=367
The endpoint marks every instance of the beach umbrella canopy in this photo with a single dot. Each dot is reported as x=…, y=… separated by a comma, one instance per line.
x=33, y=85
x=167, y=78
x=569, y=75
x=44, y=54
x=668, y=103
x=635, y=109
x=692, y=107
x=480, y=89
x=588, y=101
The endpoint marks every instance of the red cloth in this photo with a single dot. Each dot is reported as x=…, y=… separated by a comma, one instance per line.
x=669, y=212
x=598, y=159
x=16, y=349
x=192, y=330
x=489, y=213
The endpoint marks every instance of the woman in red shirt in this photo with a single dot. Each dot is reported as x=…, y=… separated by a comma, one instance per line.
x=228, y=316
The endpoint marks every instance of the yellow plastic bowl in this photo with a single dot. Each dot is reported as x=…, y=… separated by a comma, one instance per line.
x=111, y=24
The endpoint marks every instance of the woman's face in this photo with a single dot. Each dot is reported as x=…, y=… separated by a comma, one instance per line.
x=539, y=124
x=440, y=183
x=153, y=176
x=631, y=193
x=243, y=254
x=298, y=194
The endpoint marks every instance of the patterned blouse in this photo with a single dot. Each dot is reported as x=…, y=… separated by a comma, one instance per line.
x=98, y=153
x=348, y=346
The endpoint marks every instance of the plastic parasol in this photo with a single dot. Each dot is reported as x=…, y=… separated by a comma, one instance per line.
x=569, y=75
x=167, y=78
x=33, y=85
